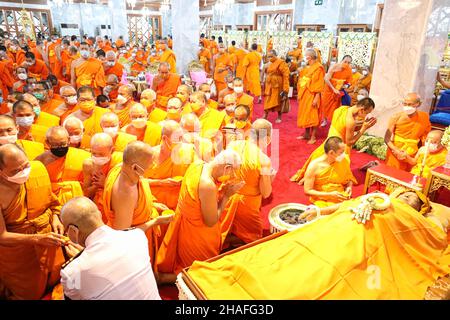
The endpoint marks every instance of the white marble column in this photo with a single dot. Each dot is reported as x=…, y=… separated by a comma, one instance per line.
x=411, y=43
x=185, y=28
x=119, y=23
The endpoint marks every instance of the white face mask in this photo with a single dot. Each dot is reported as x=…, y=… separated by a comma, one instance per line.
x=121, y=99
x=340, y=157
x=353, y=70
x=360, y=97
x=100, y=161
x=25, y=121
x=139, y=123
x=85, y=54
x=110, y=63
x=72, y=100
x=230, y=109
x=75, y=139
x=432, y=147
x=365, y=72
x=20, y=177
x=208, y=95
x=8, y=139
x=112, y=131
x=230, y=85
x=409, y=110
x=238, y=89
x=22, y=76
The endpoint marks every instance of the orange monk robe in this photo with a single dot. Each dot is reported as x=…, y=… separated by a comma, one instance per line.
x=66, y=174
x=17, y=58
x=293, y=78
x=152, y=134
x=136, y=67
x=39, y=70
x=296, y=54
x=53, y=61
x=211, y=121
x=65, y=57
x=338, y=128
x=224, y=63
x=252, y=81
x=309, y=84
x=116, y=69
x=188, y=238
x=166, y=90
x=57, y=88
x=246, y=100
x=330, y=100
x=339, y=254
x=169, y=57
x=142, y=213
x=37, y=53
x=432, y=161
x=213, y=104
x=175, y=165
x=120, y=43
x=406, y=136
x=121, y=141
x=223, y=93
x=28, y=270
x=90, y=73
x=6, y=79
x=47, y=120
x=37, y=133
x=63, y=112
x=123, y=114
x=242, y=212
x=361, y=83
x=333, y=178
x=269, y=45
x=240, y=69
x=170, y=43
x=213, y=47
x=277, y=80
x=51, y=105
x=32, y=148
x=92, y=126
x=157, y=115
x=67, y=64
x=204, y=56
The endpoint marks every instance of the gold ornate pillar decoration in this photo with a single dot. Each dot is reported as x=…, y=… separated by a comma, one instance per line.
x=27, y=24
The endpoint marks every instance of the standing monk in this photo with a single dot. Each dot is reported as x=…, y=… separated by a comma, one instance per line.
x=251, y=64
x=165, y=84
x=112, y=65
x=406, y=129
x=168, y=56
x=30, y=257
x=204, y=56
x=338, y=75
x=240, y=55
x=73, y=55
x=309, y=88
x=222, y=65
x=54, y=62
x=276, y=86
x=36, y=68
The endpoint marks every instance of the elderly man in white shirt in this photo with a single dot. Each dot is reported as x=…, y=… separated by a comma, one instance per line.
x=114, y=265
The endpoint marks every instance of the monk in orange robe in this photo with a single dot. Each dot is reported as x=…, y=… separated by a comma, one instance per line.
x=20, y=76
x=228, y=90
x=240, y=54
x=213, y=46
x=32, y=234
x=43, y=92
x=15, y=54
x=204, y=56
x=211, y=120
x=195, y=232
x=252, y=78
x=64, y=165
x=406, y=129
x=297, y=53
x=36, y=68
x=141, y=128
x=276, y=87
x=87, y=71
x=6, y=77
x=338, y=75
x=148, y=100
x=242, y=213
x=124, y=103
x=119, y=42
x=112, y=65
x=259, y=48
x=97, y=167
x=168, y=56
x=138, y=62
x=349, y=124
x=73, y=55
x=69, y=105
x=206, y=89
x=329, y=179
x=54, y=62
x=363, y=82
x=165, y=84
x=222, y=66
x=309, y=88
x=110, y=124
x=137, y=207
x=37, y=50
x=241, y=97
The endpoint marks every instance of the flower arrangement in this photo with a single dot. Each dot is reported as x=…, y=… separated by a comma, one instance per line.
x=373, y=201
x=445, y=141
x=372, y=145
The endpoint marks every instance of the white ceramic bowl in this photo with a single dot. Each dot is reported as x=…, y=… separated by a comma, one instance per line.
x=277, y=224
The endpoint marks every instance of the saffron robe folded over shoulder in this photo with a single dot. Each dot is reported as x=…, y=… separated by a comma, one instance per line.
x=211, y=121
x=32, y=148
x=188, y=238
x=47, y=120
x=122, y=140
x=26, y=271
x=335, y=258
x=337, y=129
x=143, y=212
x=90, y=73
x=432, y=161
x=252, y=81
x=166, y=90
x=330, y=100
x=277, y=80
x=92, y=126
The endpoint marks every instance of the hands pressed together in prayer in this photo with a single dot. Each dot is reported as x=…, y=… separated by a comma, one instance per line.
x=231, y=187
x=368, y=123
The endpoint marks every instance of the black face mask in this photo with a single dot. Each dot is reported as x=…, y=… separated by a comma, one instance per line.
x=59, y=151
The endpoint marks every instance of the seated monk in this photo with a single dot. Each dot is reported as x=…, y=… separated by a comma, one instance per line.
x=36, y=68
x=137, y=207
x=31, y=233
x=8, y=135
x=75, y=129
x=148, y=100
x=112, y=65
x=349, y=124
x=21, y=77
x=184, y=91
x=398, y=254
x=103, y=101
x=124, y=103
x=110, y=125
x=230, y=105
x=329, y=179
x=43, y=93
x=195, y=233
x=435, y=156
x=363, y=82
x=70, y=104
x=171, y=160
x=141, y=128
x=406, y=129
x=206, y=89
x=174, y=109
x=165, y=84
x=97, y=167
x=64, y=164
x=111, y=90
x=89, y=113
x=25, y=117
x=241, y=97
x=239, y=125
x=242, y=219
x=226, y=91
x=211, y=120
x=41, y=117
x=191, y=134
x=56, y=86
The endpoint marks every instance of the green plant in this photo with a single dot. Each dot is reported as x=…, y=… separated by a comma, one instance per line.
x=372, y=145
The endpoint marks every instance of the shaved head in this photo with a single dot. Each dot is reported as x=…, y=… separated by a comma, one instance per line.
x=204, y=87
x=56, y=134
x=137, y=152
x=184, y=88
x=73, y=122
x=110, y=55
x=6, y=121
x=169, y=128
x=102, y=145
x=148, y=94
x=30, y=99
x=11, y=157
x=67, y=91
x=229, y=99
x=112, y=78
x=262, y=128
x=109, y=119
x=190, y=123
x=126, y=90
x=174, y=103
x=412, y=98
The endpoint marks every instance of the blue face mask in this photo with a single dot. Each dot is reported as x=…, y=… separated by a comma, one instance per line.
x=1, y=99
x=37, y=111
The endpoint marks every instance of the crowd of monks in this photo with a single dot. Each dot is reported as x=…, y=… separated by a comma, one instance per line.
x=193, y=163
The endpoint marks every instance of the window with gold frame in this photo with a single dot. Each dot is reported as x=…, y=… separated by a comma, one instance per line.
x=12, y=23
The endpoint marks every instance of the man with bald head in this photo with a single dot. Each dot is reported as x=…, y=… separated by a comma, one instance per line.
x=183, y=93
x=123, y=104
x=141, y=127
x=96, y=168
x=242, y=221
x=406, y=129
x=165, y=84
x=171, y=160
x=206, y=89
x=75, y=129
x=119, y=256
x=148, y=100
x=211, y=120
x=222, y=65
x=24, y=116
x=226, y=91
x=241, y=97
x=31, y=233
x=9, y=135
x=64, y=164
x=112, y=66
x=127, y=199
x=191, y=134
x=70, y=104
x=230, y=105
x=168, y=56
x=41, y=117
x=430, y=156
x=195, y=233
x=111, y=90
x=110, y=125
